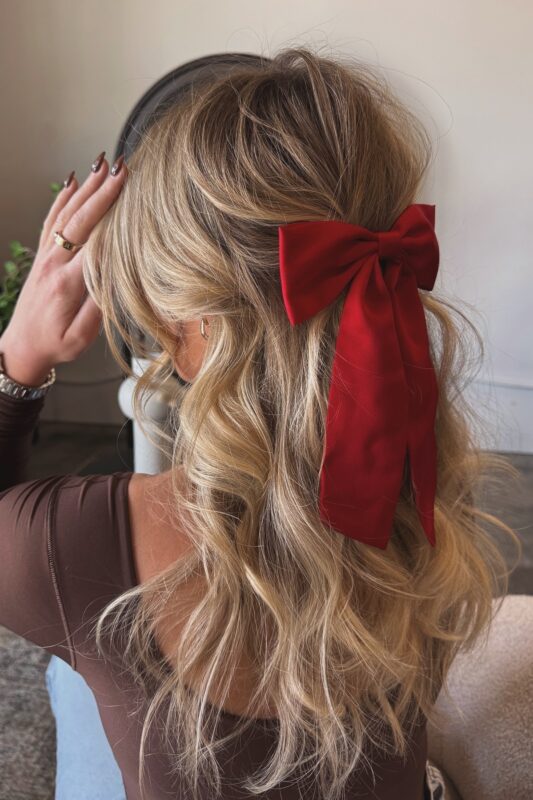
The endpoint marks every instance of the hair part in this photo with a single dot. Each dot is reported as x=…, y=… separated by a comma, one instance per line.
x=348, y=642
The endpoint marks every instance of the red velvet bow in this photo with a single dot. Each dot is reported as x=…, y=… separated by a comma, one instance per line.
x=383, y=393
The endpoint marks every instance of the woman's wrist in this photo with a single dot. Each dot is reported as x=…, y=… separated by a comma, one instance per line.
x=22, y=367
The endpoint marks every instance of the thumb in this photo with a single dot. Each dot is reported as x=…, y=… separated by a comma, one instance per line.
x=85, y=326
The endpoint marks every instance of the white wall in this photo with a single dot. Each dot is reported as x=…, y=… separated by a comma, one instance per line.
x=72, y=71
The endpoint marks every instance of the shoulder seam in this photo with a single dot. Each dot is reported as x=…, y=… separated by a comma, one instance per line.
x=50, y=518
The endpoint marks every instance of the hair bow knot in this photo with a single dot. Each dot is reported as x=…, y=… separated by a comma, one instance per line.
x=389, y=244
x=383, y=393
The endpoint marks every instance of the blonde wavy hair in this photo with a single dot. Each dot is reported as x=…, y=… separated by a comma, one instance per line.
x=348, y=642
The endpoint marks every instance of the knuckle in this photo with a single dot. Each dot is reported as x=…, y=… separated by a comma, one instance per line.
x=58, y=283
x=79, y=219
x=60, y=221
x=47, y=263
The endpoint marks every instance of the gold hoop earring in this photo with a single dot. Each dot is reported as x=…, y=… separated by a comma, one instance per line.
x=202, y=327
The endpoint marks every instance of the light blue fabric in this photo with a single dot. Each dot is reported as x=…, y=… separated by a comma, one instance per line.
x=86, y=767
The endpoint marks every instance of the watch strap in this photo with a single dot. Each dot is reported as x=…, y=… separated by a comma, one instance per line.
x=19, y=390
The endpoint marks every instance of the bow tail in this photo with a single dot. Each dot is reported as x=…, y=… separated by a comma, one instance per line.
x=368, y=416
x=423, y=398
x=423, y=452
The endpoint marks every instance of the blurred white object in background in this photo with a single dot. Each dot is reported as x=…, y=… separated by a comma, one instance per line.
x=147, y=458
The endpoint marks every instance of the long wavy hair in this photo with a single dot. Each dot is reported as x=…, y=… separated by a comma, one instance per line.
x=349, y=643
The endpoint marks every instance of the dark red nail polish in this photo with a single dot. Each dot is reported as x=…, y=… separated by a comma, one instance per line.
x=68, y=181
x=115, y=169
x=97, y=163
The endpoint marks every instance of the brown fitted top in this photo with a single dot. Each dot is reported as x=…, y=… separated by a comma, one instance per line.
x=65, y=552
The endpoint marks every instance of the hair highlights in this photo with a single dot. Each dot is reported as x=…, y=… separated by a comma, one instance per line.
x=347, y=642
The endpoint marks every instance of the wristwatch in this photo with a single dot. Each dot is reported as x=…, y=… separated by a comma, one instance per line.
x=15, y=389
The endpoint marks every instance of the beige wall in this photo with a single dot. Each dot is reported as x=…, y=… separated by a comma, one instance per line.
x=71, y=71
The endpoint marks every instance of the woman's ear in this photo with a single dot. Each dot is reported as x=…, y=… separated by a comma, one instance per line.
x=190, y=349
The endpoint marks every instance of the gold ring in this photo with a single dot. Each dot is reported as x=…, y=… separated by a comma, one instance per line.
x=60, y=240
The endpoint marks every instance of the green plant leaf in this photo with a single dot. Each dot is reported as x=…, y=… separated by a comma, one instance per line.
x=17, y=249
x=16, y=271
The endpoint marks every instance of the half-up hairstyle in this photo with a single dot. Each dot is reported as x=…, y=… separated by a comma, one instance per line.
x=348, y=643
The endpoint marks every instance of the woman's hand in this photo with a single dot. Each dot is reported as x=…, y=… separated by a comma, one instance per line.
x=55, y=320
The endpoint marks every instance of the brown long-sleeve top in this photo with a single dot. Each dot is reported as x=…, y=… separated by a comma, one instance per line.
x=65, y=552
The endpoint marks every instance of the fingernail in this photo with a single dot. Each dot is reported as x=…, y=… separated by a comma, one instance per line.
x=97, y=163
x=115, y=169
x=68, y=181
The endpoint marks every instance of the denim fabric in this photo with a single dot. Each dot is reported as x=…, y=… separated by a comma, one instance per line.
x=86, y=767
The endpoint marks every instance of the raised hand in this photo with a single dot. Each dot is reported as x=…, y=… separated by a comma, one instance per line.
x=55, y=320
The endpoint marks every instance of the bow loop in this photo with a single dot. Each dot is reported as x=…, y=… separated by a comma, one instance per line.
x=383, y=393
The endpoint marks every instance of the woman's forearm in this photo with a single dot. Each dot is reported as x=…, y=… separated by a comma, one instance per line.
x=18, y=418
x=20, y=365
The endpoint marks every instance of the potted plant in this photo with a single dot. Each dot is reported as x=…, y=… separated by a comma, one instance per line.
x=16, y=270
